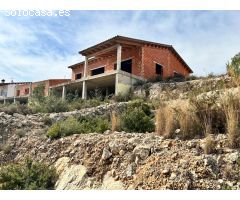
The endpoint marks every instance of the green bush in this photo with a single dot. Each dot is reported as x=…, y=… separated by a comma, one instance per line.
x=102, y=125
x=48, y=104
x=136, y=120
x=72, y=126
x=38, y=92
x=69, y=126
x=140, y=103
x=79, y=104
x=89, y=125
x=137, y=117
x=16, y=108
x=27, y=176
x=54, y=104
x=233, y=67
x=54, y=131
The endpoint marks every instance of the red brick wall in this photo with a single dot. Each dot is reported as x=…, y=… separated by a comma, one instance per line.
x=77, y=70
x=163, y=56
x=144, y=60
x=47, y=84
x=22, y=88
x=53, y=82
x=108, y=63
x=176, y=65
x=151, y=55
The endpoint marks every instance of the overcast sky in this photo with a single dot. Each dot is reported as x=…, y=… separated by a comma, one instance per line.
x=37, y=48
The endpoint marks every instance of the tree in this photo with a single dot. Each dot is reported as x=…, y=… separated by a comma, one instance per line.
x=233, y=68
x=38, y=92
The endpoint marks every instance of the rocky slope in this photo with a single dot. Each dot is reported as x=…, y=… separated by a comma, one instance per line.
x=183, y=90
x=121, y=160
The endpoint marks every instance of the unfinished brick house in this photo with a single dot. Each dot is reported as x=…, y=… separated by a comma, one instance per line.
x=116, y=64
x=8, y=91
x=21, y=91
x=26, y=89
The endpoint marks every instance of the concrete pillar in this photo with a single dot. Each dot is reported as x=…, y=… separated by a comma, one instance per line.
x=30, y=90
x=119, y=56
x=84, y=90
x=84, y=86
x=64, y=92
x=15, y=94
x=116, y=85
x=85, y=67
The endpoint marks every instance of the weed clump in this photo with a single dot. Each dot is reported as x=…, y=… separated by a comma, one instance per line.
x=82, y=125
x=165, y=123
x=137, y=118
x=27, y=176
x=231, y=111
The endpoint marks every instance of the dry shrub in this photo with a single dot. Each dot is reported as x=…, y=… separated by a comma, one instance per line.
x=231, y=111
x=20, y=133
x=165, y=123
x=7, y=149
x=209, y=111
x=189, y=124
x=210, y=145
x=160, y=121
x=169, y=118
x=115, y=121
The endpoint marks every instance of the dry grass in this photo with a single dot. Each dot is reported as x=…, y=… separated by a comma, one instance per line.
x=231, y=110
x=171, y=117
x=165, y=124
x=189, y=124
x=115, y=121
x=210, y=145
x=160, y=121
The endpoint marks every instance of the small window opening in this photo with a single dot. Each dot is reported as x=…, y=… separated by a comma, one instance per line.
x=159, y=69
x=26, y=91
x=78, y=76
x=97, y=71
x=125, y=66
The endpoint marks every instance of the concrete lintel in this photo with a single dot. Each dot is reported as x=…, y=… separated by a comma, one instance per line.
x=103, y=51
x=88, y=78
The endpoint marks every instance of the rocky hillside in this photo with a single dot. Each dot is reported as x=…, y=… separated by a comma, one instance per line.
x=183, y=90
x=120, y=160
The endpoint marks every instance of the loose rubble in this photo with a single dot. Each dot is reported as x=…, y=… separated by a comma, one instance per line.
x=129, y=161
x=120, y=160
x=182, y=90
